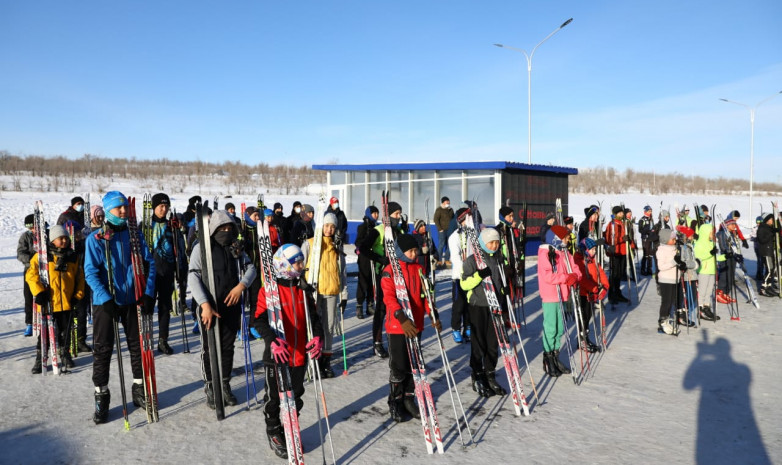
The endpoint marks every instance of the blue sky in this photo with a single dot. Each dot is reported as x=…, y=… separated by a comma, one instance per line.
x=626, y=84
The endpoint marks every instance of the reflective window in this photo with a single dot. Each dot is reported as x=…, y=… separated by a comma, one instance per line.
x=421, y=192
x=337, y=177
x=356, y=207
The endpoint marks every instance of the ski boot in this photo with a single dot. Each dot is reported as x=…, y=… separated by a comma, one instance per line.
x=549, y=366
x=360, y=310
x=37, y=368
x=560, y=366
x=210, y=395
x=28, y=331
x=480, y=385
x=228, y=397
x=102, y=401
x=380, y=351
x=276, y=437
x=164, y=348
x=324, y=364
x=395, y=402
x=589, y=346
x=457, y=336
x=494, y=385
x=410, y=406
x=684, y=320
x=137, y=392
x=82, y=346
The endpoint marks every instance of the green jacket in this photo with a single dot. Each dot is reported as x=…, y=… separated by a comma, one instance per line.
x=703, y=248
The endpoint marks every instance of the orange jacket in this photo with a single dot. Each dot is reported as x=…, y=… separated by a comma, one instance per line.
x=415, y=294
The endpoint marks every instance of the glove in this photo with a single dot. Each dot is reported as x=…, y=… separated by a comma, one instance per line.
x=147, y=304
x=42, y=298
x=572, y=279
x=681, y=266
x=713, y=251
x=175, y=223
x=626, y=238
x=409, y=328
x=744, y=243
x=437, y=325
x=484, y=273
x=280, y=350
x=602, y=295
x=110, y=307
x=600, y=242
x=424, y=250
x=314, y=347
x=739, y=258
x=305, y=286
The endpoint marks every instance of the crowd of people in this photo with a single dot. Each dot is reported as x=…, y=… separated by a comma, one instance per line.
x=579, y=267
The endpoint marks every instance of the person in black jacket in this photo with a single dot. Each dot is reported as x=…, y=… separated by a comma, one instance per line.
x=303, y=228
x=24, y=252
x=289, y=221
x=766, y=245
x=365, y=291
x=74, y=213
x=341, y=236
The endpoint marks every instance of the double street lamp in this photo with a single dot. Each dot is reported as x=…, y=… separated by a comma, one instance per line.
x=752, y=142
x=529, y=83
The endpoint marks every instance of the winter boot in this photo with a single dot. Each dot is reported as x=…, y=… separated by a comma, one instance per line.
x=210, y=395
x=665, y=327
x=102, y=401
x=342, y=306
x=276, y=437
x=481, y=385
x=65, y=356
x=410, y=406
x=380, y=351
x=549, y=366
x=457, y=336
x=164, y=348
x=370, y=308
x=196, y=329
x=37, y=369
x=396, y=402
x=558, y=363
x=137, y=391
x=228, y=397
x=494, y=385
x=707, y=310
x=324, y=363
x=82, y=345
x=705, y=313
x=360, y=311
x=28, y=331
x=589, y=346
x=683, y=319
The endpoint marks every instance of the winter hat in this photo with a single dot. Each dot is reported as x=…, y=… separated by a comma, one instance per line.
x=445, y=199
x=406, y=242
x=417, y=224
x=268, y=212
x=687, y=231
x=560, y=231
x=590, y=210
x=734, y=214
x=57, y=231
x=229, y=205
x=568, y=220
x=296, y=204
x=461, y=214
x=220, y=218
x=489, y=234
x=250, y=210
x=587, y=243
x=371, y=209
x=665, y=213
x=665, y=235
x=647, y=208
x=114, y=199
x=704, y=209
x=284, y=259
x=333, y=200
x=628, y=211
x=550, y=216
x=330, y=218
x=505, y=211
x=394, y=207
x=307, y=208
x=160, y=199
x=96, y=210
x=277, y=206
x=76, y=200
x=29, y=221
x=730, y=221
x=616, y=210
x=194, y=200
x=770, y=216
x=758, y=219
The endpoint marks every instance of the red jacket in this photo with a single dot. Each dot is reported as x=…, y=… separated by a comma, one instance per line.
x=614, y=234
x=589, y=275
x=293, y=321
x=415, y=293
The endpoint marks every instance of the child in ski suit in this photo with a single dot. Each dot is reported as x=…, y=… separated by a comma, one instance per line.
x=549, y=279
x=705, y=253
x=669, y=265
x=399, y=327
x=66, y=288
x=292, y=347
x=593, y=286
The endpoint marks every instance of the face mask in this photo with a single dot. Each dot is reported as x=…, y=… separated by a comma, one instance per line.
x=115, y=220
x=394, y=222
x=335, y=206
x=224, y=238
x=447, y=205
x=297, y=210
x=79, y=208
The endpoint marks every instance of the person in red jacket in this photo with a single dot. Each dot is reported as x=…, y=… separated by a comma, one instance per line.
x=616, y=246
x=590, y=291
x=399, y=326
x=291, y=348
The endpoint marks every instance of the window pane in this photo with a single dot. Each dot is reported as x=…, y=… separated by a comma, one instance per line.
x=478, y=172
x=357, y=176
x=424, y=174
x=482, y=191
x=337, y=177
x=421, y=192
x=453, y=190
x=398, y=193
x=374, y=196
x=357, y=207
x=377, y=176
x=398, y=175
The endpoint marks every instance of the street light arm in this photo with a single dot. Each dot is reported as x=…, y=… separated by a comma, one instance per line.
x=549, y=36
x=767, y=99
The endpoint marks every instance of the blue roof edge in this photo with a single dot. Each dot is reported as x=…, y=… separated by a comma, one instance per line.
x=472, y=165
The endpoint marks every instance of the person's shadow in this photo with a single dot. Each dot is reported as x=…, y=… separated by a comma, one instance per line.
x=727, y=430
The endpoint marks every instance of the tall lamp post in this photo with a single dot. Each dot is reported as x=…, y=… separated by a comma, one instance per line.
x=529, y=83
x=752, y=142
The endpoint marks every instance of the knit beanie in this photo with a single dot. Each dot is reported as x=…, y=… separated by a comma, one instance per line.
x=114, y=199
x=489, y=234
x=406, y=242
x=76, y=200
x=57, y=231
x=505, y=211
x=394, y=207
x=330, y=218
x=160, y=199
x=29, y=221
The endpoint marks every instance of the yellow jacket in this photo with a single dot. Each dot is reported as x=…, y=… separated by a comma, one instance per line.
x=328, y=277
x=66, y=286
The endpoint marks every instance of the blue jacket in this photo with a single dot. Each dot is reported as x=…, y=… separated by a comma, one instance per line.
x=96, y=274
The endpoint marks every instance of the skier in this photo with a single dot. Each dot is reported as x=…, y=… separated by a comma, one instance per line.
x=398, y=327
x=645, y=226
x=427, y=254
x=66, y=288
x=25, y=250
x=766, y=242
x=288, y=265
x=548, y=222
x=442, y=219
x=373, y=248
x=73, y=213
x=290, y=220
x=227, y=258
x=274, y=232
x=460, y=250
x=509, y=241
x=617, y=240
x=484, y=345
x=593, y=286
x=114, y=298
x=669, y=266
x=688, y=277
x=303, y=228
x=249, y=239
x=365, y=290
x=341, y=234
x=549, y=280
x=726, y=261
x=165, y=265
x=330, y=283
x=760, y=270
x=705, y=253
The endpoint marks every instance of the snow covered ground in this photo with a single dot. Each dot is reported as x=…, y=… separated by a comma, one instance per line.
x=710, y=396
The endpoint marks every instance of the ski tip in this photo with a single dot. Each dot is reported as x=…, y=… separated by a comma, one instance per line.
x=735, y=318
x=127, y=425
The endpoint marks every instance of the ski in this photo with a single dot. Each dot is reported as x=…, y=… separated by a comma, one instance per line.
x=180, y=291
x=144, y=321
x=740, y=260
x=777, y=247
x=48, y=326
x=288, y=413
x=423, y=391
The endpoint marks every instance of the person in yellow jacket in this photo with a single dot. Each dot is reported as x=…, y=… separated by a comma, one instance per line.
x=66, y=288
x=331, y=283
x=705, y=254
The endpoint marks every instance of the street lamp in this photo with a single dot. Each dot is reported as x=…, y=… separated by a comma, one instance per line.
x=529, y=83
x=752, y=142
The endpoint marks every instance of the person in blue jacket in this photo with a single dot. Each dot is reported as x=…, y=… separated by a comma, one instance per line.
x=114, y=297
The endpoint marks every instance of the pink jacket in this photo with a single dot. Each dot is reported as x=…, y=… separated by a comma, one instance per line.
x=548, y=279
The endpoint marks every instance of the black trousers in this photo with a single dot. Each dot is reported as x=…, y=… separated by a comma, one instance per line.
x=586, y=312
x=103, y=342
x=230, y=322
x=460, y=316
x=271, y=408
x=28, y=302
x=164, y=288
x=668, y=293
x=399, y=365
x=618, y=265
x=365, y=292
x=380, y=312
x=82, y=307
x=483, y=341
x=727, y=275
